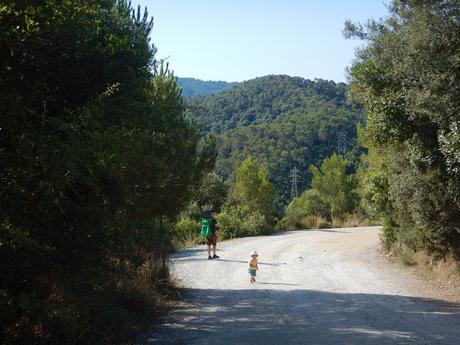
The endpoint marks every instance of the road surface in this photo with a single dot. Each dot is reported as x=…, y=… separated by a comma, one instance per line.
x=313, y=287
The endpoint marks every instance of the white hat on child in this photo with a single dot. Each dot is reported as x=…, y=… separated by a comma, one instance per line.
x=254, y=253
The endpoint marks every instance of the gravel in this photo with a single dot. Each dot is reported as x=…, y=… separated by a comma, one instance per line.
x=313, y=287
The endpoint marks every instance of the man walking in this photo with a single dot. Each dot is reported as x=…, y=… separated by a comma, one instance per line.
x=212, y=240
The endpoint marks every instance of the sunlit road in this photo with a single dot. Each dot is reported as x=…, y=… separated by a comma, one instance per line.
x=313, y=287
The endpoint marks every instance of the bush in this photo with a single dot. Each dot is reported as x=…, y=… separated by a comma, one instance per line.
x=186, y=231
x=308, y=211
x=407, y=256
x=294, y=217
x=281, y=224
x=315, y=222
x=239, y=221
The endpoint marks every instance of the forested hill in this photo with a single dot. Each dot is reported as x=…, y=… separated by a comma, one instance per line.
x=197, y=87
x=263, y=100
x=282, y=122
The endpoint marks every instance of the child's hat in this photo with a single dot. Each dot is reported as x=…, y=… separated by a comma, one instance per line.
x=254, y=253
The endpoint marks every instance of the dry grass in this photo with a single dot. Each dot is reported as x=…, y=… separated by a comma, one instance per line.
x=318, y=222
x=315, y=222
x=350, y=221
x=309, y=222
x=445, y=270
x=444, y=273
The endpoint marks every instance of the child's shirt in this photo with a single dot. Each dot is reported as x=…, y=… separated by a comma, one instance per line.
x=252, y=263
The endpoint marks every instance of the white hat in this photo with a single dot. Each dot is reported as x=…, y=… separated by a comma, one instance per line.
x=254, y=253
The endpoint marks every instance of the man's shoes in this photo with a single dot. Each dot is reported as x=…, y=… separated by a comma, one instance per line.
x=215, y=256
x=209, y=257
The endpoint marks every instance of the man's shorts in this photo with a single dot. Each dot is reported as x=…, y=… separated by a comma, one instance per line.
x=211, y=240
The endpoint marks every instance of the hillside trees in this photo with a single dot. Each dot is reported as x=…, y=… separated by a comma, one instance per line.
x=196, y=87
x=408, y=79
x=96, y=155
x=282, y=122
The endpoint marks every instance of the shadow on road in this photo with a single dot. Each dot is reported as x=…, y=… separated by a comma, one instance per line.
x=190, y=259
x=281, y=284
x=263, y=316
x=329, y=230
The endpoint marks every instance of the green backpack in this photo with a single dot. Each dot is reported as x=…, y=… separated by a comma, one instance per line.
x=206, y=227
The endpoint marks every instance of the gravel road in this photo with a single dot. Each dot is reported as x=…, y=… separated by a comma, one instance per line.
x=313, y=287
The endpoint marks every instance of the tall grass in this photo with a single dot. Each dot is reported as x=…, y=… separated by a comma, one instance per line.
x=318, y=222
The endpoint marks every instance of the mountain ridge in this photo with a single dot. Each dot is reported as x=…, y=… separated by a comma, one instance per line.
x=280, y=121
x=198, y=87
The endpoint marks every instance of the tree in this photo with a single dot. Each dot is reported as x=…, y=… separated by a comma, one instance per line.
x=96, y=156
x=212, y=192
x=407, y=78
x=280, y=121
x=253, y=188
x=334, y=185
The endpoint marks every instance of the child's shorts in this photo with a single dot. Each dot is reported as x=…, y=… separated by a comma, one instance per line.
x=252, y=272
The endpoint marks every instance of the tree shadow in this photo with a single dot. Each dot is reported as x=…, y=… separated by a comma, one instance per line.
x=280, y=284
x=189, y=259
x=186, y=252
x=329, y=230
x=264, y=316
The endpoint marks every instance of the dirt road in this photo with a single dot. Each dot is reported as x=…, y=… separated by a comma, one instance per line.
x=313, y=287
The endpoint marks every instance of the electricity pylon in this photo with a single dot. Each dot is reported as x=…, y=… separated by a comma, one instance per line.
x=341, y=143
x=294, y=179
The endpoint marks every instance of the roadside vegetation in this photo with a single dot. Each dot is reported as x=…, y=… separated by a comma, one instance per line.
x=407, y=77
x=106, y=166
x=400, y=164
x=97, y=159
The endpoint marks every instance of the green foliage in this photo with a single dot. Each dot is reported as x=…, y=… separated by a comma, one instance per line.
x=335, y=186
x=211, y=193
x=253, y=189
x=332, y=195
x=263, y=100
x=239, y=220
x=186, y=230
x=407, y=78
x=96, y=156
x=309, y=203
x=197, y=87
x=282, y=122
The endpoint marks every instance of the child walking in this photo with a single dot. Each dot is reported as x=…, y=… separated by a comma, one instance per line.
x=253, y=266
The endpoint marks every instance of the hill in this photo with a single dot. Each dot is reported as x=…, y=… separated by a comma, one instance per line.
x=282, y=122
x=196, y=87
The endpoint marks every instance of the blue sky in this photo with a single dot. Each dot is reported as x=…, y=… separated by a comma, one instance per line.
x=236, y=40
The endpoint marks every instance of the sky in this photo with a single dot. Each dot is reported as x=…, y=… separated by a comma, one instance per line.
x=237, y=40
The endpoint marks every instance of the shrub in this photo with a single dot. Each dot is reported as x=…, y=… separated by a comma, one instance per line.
x=239, y=221
x=314, y=222
x=281, y=224
x=307, y=210
x=186, y=231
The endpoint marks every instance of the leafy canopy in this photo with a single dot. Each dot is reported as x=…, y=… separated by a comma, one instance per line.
x=407, y=78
